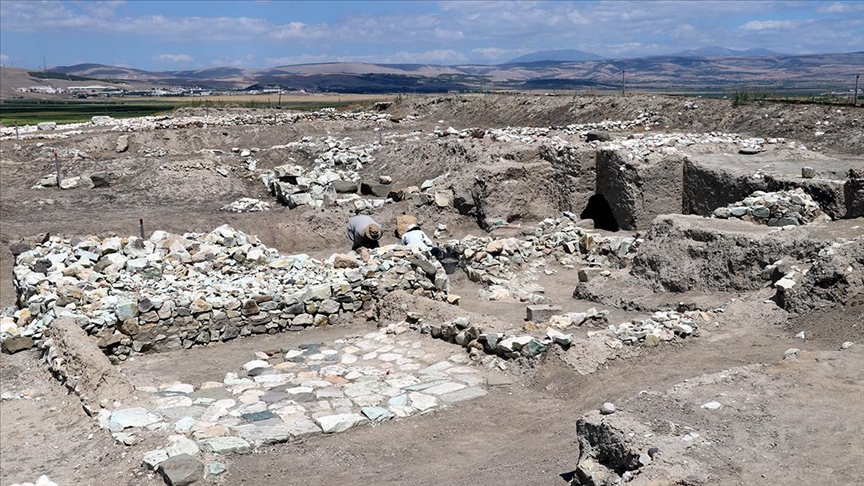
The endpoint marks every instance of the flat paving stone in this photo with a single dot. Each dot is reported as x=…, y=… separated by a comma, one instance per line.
x=263, y=435
x=471, y=380
x=377, y=414
x=462, y=395
x=421, y=401
x=258, y=416
x=319, y=388
x=443, y=388
x=423, y=386
x=226, y=445
x=302, y=428
x=339, y=423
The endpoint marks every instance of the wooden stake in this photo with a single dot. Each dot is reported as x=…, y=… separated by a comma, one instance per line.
x=141, y=227
x=57, y=168
x=855, y=98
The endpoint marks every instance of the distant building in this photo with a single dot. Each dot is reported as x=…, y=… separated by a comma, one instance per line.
x=92, y=88
x=41, y=89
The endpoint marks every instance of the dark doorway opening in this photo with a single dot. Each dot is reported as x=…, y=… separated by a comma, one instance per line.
x=599, y=211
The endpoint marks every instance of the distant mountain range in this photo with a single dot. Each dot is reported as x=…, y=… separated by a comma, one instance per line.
x=557, y=55
x=711, y=68
x=573, y=55
x=715, y=51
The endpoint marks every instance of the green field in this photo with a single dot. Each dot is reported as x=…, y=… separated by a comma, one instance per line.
x=30, y=112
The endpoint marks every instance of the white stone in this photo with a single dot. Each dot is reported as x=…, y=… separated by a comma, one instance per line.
x=181, y=445
x=256, y=363
x=339, y=423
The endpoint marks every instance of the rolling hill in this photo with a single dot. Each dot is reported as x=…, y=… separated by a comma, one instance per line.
x=685, y=70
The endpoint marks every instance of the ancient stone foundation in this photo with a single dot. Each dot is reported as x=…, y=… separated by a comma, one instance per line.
x=173, y=291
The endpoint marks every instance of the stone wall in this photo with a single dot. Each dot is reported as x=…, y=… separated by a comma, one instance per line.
x=172, y=291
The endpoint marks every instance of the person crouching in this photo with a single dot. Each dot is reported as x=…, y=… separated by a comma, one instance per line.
x=415, y=236
x=363, y=232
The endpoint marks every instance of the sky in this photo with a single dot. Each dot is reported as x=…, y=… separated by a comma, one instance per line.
x=178, y=35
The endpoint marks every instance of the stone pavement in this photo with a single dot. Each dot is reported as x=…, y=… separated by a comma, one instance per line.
x=292, y=393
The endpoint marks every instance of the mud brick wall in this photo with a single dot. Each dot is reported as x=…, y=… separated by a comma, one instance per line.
x=640, y=188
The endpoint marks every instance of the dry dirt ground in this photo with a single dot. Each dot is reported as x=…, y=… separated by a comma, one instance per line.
x=803, y=424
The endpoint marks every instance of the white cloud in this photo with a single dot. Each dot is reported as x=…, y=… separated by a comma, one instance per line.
x=238, y=62
x=101, y=8
x=496, y=54
x=298, y=31
x=457, y=32
x=178, y=58
x=447, y=33
x=768, y=25
x=846, y=7
x=435, y=56
x=4, y=58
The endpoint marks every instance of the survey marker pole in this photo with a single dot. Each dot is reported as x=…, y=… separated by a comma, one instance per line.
x=57, y=169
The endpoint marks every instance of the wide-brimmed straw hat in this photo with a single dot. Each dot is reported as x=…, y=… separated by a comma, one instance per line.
x=373, y=232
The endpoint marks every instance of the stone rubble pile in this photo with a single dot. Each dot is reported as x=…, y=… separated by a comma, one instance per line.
x=530, y=135
x=43, y=480
x=246, y=205
x=661, y=326
x=172, y=291
x=478, y=342
x=506, y=263
x=332, y=180
x=781, y=208
x=91, y=181
x=640, y=145
x=51, y=130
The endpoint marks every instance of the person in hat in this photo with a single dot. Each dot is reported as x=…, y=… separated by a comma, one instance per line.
x=363, y=232
x=415, y=236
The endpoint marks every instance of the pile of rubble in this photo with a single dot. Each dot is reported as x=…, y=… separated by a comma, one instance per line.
x=246, y=205
x=51, y=130
x=782, y=208
x=502, y=344
x=91, y=181
x=332, y=180
x=640, y=145
x=529, y=135
x=173, y=291
x=661, y=326
x=503, y=262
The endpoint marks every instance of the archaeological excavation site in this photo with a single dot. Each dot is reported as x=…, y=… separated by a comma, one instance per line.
x=645, y=290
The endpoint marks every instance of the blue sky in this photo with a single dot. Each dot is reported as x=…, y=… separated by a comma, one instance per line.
x=172, y=35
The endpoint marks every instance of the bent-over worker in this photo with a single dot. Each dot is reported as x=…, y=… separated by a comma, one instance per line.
x=363, y=232
x=417, y=237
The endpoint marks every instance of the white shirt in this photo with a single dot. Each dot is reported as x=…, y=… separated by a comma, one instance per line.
x=417, y=238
